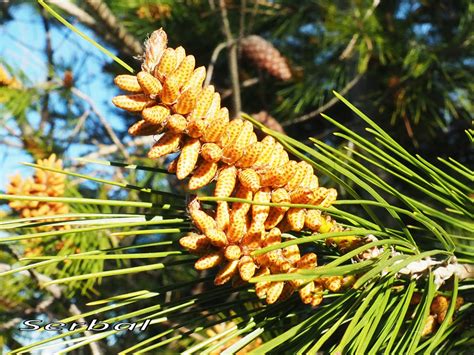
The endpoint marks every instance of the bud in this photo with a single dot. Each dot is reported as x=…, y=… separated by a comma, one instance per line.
x=155, y=45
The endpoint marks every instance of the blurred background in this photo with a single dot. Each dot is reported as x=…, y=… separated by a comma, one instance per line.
x=407, y=64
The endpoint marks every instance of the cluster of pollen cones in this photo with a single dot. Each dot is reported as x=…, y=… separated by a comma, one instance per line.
x=169, y=95
x=43, y=183
x=8, y=81
x=438, y=310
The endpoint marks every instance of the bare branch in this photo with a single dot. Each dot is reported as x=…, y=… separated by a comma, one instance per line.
x=102, y=119
x=245, y=84
x=74, y=10
x=48, y=49
x=108, y=27
x=327, y=105
x=346, y=53
x=215, y=55
x=80, y=123
x=110, y=149
x=113, y=26
x=232, y=58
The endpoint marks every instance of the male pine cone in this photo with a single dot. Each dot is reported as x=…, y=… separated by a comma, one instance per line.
x=168, y=93
x=8, y=81
x=43, y=183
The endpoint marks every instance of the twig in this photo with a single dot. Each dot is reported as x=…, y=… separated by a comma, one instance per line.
x=252, y=17
x=243, y=7
x=8, y=142
x=114, y=26
x=232, y=58
x=11, y=131
x=102, y=119
x=246, y=83
x=346, y=53
x=327, y=105
x=108, y=27
x=110, y=149
x=77, y=128
x=371, y=10
x=212, y=5
x=74, y=10
x=48, y=49
x=80, y=123
x=212, y=63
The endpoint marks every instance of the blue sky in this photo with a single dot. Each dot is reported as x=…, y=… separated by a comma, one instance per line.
x=22, y=47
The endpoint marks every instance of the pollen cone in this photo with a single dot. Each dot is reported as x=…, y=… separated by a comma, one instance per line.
x=170, y=96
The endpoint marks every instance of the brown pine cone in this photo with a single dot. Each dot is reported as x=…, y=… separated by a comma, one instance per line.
x=154, y=12
x=266, y=57
x=269, y=121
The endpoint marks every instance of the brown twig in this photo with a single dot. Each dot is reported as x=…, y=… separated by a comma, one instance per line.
x=111, y=149
x=113, y=26
x=212, y=63
x=346, y=53
x=327, y=105
x=102, y=120
x=245, y=84
x=232, y=59
x=48, y=49
x=80, y=123
x=243, y=7
x=108, y=27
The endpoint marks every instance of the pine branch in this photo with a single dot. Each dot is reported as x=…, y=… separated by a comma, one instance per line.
x=105, y=150
x=327, y=105
x=113, y=26
x=232, y=58
x=245, y=84
x=45, y=115
x=102, y=120
x=108, y=27
x=212, y=63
